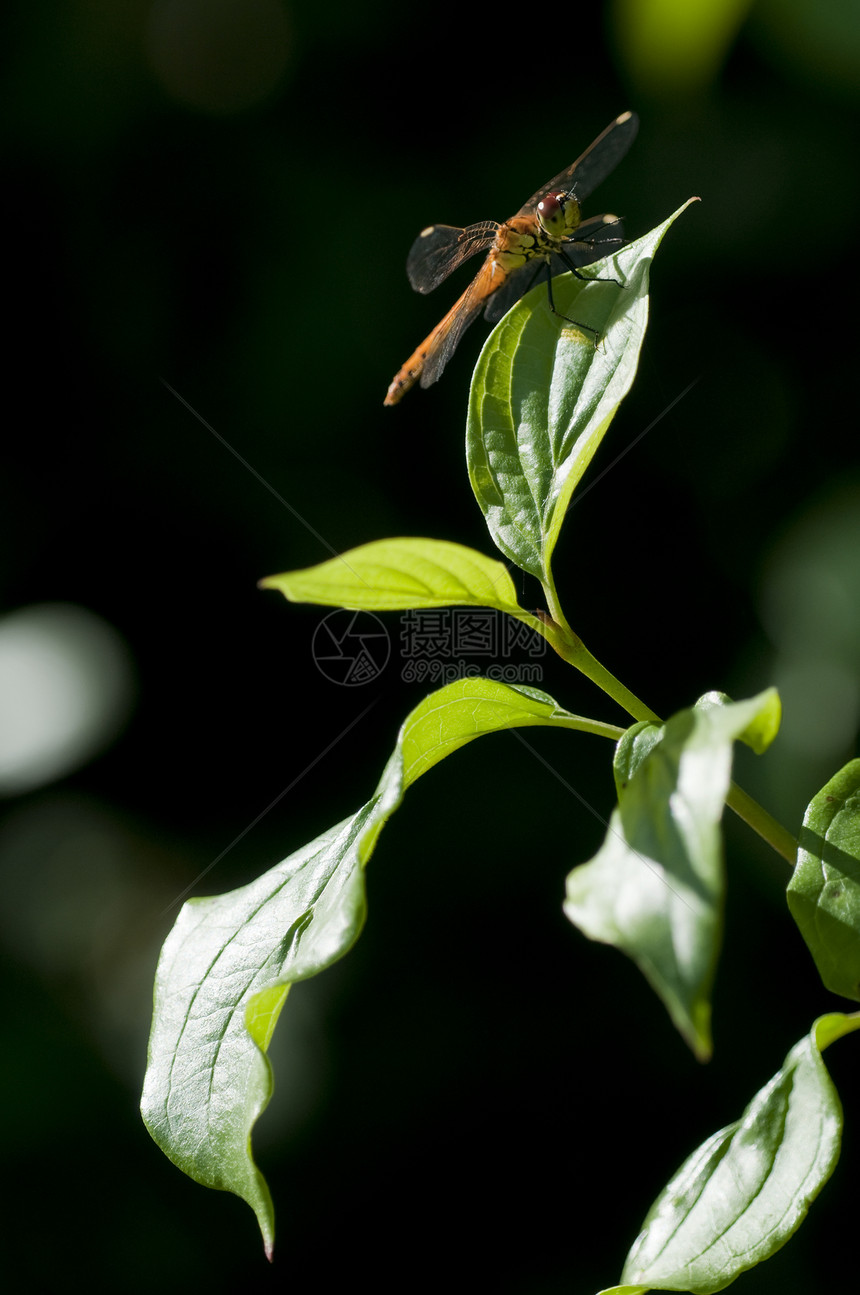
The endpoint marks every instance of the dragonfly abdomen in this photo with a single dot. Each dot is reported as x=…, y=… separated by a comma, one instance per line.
x=427, y=362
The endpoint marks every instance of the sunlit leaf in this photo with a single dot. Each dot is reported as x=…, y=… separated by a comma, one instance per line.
x=764, y=724
x=389, y=575
x=824, y=890
x=226, y=967
x=543, y=396
x=655, y=888
x=222, y=978
x=742, y=1194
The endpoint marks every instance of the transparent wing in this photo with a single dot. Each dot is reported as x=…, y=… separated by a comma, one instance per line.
x=586, y=173
x=439, y=249
x=515, y=286
x=596, y=237
x=445, y=338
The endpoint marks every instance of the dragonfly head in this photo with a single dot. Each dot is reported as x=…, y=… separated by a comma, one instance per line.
x=558, y=214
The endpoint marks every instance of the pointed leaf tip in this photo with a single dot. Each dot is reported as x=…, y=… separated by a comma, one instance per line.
x=543, y=396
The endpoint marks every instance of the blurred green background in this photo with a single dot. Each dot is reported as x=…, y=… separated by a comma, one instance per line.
x=220, y=196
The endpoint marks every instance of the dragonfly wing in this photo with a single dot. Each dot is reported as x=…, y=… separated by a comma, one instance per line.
x=439, y=249
x=446, y=336
x=516, y=285
x=586, y=173
x=600, y=236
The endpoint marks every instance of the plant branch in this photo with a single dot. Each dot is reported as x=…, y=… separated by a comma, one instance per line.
x=778, y=837
x=570, y=648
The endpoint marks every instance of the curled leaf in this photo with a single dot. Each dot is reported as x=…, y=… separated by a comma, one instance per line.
x=228, y=963
x=655, y=888
x=742, y=1194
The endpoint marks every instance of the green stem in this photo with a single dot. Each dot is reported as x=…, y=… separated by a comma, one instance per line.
x=752, y=813
x=570, y=648
x=580, y=657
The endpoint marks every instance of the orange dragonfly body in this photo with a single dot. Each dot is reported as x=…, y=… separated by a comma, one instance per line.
x=547, y=233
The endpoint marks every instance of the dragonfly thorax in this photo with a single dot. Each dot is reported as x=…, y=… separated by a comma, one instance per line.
x=558, y=214
x=523, y=237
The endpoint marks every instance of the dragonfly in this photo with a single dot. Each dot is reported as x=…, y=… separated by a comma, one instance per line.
x=545, y=235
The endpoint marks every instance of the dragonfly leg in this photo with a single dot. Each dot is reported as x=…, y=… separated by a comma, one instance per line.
x=585, y=327
x=586, y=278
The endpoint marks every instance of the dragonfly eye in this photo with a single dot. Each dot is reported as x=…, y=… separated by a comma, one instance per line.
x=550, y=213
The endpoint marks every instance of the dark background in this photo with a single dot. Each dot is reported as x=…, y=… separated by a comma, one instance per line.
x=221, y=197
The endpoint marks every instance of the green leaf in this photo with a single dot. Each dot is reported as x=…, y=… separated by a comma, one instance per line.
x=655, y=887
x=391, y=575
x=543, y=396
x=764, y=724
x=824, y=890
x=624, y=1290
x=222, y=978
x=455, y=715
x=742, y=1194
x=226, y=966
